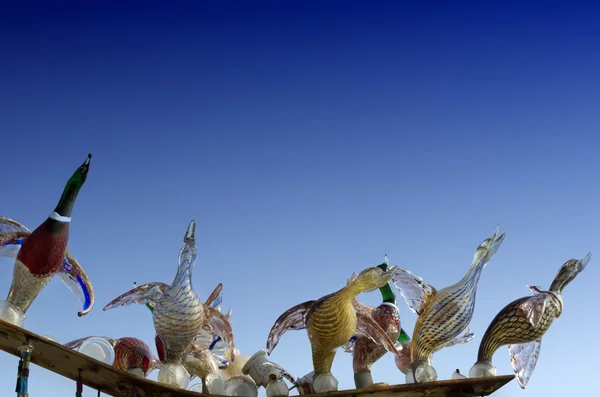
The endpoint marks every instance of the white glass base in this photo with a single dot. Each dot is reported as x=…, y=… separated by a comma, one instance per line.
x=99, y=349
x=174, y=374
x=241, y=386
x=11, y=314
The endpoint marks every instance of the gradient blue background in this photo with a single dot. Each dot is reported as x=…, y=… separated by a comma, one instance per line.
x=308, y=139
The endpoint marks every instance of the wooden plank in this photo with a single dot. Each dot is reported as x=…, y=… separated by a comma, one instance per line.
x=66, y=362
x=443, y=388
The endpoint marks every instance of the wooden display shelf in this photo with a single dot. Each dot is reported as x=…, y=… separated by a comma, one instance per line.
x=97, y=375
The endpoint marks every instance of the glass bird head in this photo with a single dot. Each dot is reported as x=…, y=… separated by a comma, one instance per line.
x=488, y=247
x=189, y=252
x=72, y=188
x=373, y=278
x=568, y=272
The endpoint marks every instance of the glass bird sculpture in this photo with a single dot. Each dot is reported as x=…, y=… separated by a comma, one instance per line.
x=442, y=314
x=131, y=354
x=331, y=321
x=208, y=352
x=365, y=351
x=41, y=254
x=522, y=323
x=178, y=313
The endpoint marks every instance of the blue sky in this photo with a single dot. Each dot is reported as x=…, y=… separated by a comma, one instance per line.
x=308, y=139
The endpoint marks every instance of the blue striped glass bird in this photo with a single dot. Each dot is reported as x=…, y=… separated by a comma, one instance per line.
x=178, y=313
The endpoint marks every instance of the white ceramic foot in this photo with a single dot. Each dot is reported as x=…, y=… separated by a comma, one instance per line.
x=481, y=369
x=325, y=382
x=260, y=369
x=174, y=374
x=11, y=314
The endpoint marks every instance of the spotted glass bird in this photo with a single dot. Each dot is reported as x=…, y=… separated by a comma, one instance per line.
x=43, y=253
x=131, y=354
x=522, y=323
x=442, y=314
x=178, y=314
x=332, y=320
x=365, y=351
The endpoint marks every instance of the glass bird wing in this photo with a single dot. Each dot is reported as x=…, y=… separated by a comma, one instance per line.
x=8, y=225
x=146, y=293
x=466, y=337
x=413, y=289
x=348, y=347
x=215, y=299
x=75, y=278
x=523, y=358
x=367, y=326
x=10, y=243
x=292, y=319
x=533, y=308
x=366, y=309
x=12, y=235
x=220, y=326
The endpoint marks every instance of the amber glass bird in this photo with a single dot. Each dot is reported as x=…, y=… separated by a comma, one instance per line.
x=332, y=320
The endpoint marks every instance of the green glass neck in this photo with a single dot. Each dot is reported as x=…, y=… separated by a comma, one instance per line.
x=387, y=294
x=403, y=336
x=386, y=291
x=72, y=188
x=150, y=307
